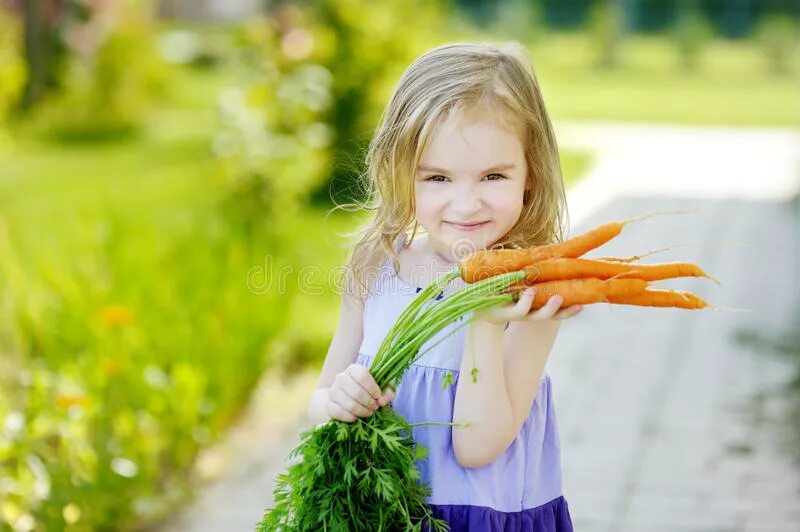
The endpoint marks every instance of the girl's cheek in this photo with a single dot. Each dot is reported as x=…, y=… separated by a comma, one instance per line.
x=427, y=206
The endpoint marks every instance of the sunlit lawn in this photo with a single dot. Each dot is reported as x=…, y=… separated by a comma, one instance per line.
x=732, y=85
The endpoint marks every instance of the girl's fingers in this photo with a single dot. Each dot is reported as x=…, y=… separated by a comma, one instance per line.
x=526, y=301
x=549, y=309
x=523, y=306
x=337, y=411
x=364, y=378
x=362, y=386
x=360, y=396
x=387, y=396
x=568, y=312
x=353, y=405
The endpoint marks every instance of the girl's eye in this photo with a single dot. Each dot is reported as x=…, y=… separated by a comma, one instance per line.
x=443, y=179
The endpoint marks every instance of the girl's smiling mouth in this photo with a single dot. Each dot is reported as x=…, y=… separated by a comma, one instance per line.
x=474, y=226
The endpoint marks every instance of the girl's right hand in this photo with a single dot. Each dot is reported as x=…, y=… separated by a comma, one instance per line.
x=354, y=393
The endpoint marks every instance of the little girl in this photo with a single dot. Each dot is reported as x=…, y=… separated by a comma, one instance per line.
x=464, y=159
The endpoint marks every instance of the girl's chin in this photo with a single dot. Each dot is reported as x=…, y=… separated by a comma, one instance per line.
x=462, y=245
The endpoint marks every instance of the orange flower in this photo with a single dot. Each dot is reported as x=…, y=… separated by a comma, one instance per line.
x=116, y=315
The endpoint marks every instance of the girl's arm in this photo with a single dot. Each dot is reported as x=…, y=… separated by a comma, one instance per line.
x=342, y=352
x=510, y=365
x=346, y=390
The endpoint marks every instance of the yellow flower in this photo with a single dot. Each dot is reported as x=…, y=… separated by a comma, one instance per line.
x=116, y=316
x=67, y=400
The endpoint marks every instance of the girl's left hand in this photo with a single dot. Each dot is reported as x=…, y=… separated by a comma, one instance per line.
x=521, y=310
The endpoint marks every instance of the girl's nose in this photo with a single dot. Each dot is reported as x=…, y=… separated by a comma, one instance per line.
x=465, y=202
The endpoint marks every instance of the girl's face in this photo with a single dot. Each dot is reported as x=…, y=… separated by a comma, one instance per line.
x=469, y=185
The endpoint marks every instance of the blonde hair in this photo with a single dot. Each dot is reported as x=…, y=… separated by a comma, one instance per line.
x=443, y=82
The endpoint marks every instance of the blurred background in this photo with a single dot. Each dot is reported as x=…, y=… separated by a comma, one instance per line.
x=162, y=161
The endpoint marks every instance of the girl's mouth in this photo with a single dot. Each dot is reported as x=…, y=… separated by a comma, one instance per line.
x=468, y=227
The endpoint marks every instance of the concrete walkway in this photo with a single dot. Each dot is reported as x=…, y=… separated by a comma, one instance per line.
x=667, y=423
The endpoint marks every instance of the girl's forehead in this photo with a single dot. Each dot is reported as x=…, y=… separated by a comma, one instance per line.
x=472, y=147
x=474, y=139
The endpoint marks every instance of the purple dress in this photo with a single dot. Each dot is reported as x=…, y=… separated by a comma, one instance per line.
x=520, y=490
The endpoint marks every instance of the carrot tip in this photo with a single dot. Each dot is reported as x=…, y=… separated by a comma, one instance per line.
x=657, y=213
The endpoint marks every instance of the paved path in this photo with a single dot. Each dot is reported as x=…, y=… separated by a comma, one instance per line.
x=667, y=424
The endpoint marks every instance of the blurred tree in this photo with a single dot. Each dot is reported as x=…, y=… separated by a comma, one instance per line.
x=325, y=71
x=12, y=66
x=607, y=29
x=210, y=10
x=81, y=54
x=779, y=38
x=370, y=49
x=691, y=33
x=44, y=51
x=111, y=65
x=521, y=20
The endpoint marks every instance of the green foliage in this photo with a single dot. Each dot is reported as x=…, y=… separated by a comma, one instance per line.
x=368, y=45
x=273, y=139
x=12, y=69
x=691, y=34
x=129, y=358
x=521, y=20
x=111, y=75
x=357, y=476
x=606, y=28
x=447, y=380
x=296, y=123
x=777, y=34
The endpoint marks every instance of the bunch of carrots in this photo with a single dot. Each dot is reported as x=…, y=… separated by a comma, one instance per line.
x=557, y=269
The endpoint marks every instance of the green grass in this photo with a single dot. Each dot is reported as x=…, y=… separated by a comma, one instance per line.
x=733, y=85
x=573, y=164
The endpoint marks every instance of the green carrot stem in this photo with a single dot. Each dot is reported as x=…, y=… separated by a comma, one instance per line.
x=414, y=308
x=433, y=319
x=406, y=352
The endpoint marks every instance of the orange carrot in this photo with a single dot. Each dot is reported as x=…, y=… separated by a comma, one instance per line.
x=583, y=291
x=554, y=269
x=656, y=297
x=487, y=263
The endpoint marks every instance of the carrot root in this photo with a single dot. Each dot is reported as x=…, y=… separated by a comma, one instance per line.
x=581, y=291
x=657, y=297
x=563, y=269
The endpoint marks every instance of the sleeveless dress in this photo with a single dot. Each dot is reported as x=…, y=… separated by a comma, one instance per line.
x=520, y=490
